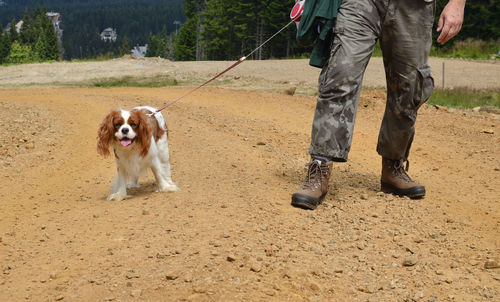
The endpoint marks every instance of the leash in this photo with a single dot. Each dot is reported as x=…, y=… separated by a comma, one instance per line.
x=240, y=60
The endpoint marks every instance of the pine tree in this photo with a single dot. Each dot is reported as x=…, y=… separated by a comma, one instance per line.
x=50, y=37
x=27, y=34
x=201, y=7
x=476, y=22
x=188, y=39
x=4, y=45
x=38, y=11
x=275, y=17
x=234, y=28
x=218, y=31
x=13, y=35
x=248, y=26
x=125, y=47
x=153, y=47
x=38, y=21
x=185, y=46
x=163, y=37
x=171, y=47
x=40, y=49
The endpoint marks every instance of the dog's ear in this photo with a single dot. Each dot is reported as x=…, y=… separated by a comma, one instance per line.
x=105, y=133
x=145, y=132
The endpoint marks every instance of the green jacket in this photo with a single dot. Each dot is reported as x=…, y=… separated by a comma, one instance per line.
x=316, y=24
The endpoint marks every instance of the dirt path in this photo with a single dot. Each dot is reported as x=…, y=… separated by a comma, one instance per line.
x=230, y=233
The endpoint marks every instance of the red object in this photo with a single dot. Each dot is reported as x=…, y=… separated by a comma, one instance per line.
x=297, y=10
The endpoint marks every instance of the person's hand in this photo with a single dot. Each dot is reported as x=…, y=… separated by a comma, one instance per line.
x=450, y=21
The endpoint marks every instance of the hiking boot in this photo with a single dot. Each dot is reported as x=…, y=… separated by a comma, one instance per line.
x=315, y=186
x=395, y=180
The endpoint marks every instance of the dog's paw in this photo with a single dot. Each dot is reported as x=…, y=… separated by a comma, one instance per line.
x=168, y=188
x=117, y=197
x=133, y=185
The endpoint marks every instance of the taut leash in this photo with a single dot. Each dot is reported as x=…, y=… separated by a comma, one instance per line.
x=240, y=60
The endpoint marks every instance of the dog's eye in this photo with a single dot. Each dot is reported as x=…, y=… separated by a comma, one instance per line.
x=133, y=125
x=118, y=125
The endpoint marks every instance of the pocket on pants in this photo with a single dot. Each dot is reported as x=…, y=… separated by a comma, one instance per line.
x=325, y=72
x=430, y=13
x=424, y=86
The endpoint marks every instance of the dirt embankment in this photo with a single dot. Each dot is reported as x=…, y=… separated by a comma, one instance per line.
x=269, y=75
x=230, y=233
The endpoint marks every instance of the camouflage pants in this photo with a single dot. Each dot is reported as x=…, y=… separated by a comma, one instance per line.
x=404, y=29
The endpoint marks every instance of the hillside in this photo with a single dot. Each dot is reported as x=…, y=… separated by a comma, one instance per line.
x=83, y=20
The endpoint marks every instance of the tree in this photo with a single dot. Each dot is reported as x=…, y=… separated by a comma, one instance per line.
x=40, y=49
x=153, y=47
x=27, y=34
x=39, y=19
x=50, y=37
x=4, y=45
x=19, y=53
x=214, y=29
x=38, y=11
x=170, y=52
x=158, y=45
x=36, y=41
x=186, y=47
x=125, y=47
x=481, y=20
x=163, y=41
x=234, y=28
x=83, y=20
x=218, y=31
x=13, y=35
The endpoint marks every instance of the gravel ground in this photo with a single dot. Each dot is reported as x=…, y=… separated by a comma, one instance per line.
x=230, y=233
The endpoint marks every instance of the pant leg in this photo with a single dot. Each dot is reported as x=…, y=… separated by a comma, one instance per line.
x=405, y=40
x=356, y=32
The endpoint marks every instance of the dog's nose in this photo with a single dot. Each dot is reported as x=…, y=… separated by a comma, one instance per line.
x=125, y=130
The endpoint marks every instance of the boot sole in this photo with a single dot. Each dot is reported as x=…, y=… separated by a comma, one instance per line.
x=413, y=193
x=306, y=202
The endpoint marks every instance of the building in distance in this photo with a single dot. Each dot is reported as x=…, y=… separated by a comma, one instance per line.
x=18, y=26
x=109, y=34
x=139, y=51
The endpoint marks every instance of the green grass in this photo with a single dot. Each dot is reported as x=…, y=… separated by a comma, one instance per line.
x=97, y=59
x=466, y=49
x=130, y=81
x=465, y=98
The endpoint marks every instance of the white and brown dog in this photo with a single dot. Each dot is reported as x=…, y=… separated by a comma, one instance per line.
x=139, y=140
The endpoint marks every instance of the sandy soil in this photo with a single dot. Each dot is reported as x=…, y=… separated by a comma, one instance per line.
x=230, y=234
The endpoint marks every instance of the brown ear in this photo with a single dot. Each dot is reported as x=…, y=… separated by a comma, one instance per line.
x=105, y=134
x=145, y=132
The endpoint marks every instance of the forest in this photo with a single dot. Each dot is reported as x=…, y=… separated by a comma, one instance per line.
x=218, y=29
x=83, y=20
x=36, y=41
x=208, y=29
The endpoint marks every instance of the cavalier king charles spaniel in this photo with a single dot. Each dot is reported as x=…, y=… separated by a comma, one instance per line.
x=139, y=141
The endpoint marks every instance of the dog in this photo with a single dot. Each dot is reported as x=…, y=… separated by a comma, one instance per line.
x=139, y=139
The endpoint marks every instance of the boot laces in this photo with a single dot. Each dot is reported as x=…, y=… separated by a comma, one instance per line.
x=315, y=173
x=400, y=170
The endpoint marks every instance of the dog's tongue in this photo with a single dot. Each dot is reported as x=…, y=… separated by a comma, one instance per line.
x=125, y=142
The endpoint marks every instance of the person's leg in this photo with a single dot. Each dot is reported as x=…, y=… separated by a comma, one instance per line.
x=405, y=40
x=356, y=31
